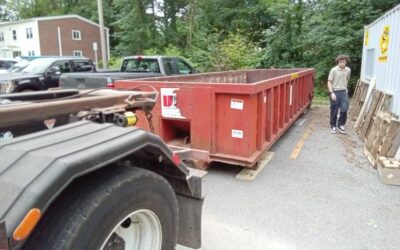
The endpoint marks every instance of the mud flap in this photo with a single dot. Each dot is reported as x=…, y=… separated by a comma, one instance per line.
x=3, y=236
x=190, y=210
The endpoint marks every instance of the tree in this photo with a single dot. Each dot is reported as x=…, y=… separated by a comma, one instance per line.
x=313, y=33
x=220, y=34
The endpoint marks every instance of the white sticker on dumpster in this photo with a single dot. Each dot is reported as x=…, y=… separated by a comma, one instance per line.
x=168, y=103
x=237, y=104
x=237, y=133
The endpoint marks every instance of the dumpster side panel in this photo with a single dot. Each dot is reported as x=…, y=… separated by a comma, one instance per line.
x=202, y=119
x=236, y=126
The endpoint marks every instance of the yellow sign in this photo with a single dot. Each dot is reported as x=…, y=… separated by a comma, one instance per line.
x=366, y=38
x=384, y=44
x=294, y=76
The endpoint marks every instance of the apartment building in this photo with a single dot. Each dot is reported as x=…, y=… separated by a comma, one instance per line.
x=68, y=35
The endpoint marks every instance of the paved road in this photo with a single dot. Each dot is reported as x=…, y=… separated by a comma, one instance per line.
x=327, y=198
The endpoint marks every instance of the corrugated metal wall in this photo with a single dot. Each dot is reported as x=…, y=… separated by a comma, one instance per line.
x=386, y=72
x=381, y=64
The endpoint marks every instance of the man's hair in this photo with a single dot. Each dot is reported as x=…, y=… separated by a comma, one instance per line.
x=342, y=57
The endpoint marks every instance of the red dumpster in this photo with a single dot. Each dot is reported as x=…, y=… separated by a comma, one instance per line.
x=234, y=115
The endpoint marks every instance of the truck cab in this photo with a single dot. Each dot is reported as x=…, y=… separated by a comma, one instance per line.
x=132, y=67
x=42, y=74
x=157, y=64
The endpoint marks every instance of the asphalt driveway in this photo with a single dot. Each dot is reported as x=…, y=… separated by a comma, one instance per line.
x=327, y=198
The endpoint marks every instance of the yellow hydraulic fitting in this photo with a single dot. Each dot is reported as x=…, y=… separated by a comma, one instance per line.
x=131, y=118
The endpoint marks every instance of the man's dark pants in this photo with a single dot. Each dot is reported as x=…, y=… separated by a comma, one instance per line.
x=341, y=103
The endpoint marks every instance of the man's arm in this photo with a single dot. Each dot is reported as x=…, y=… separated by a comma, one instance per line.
x=330, y=86
x=348, y=75
x=330, y=79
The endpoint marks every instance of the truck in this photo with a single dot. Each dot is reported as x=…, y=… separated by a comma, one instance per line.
x=76, y=173
x=42, y=74
x=132, y=67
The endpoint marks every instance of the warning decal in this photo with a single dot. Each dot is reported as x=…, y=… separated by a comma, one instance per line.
x=168, y=103
x=237, y=104
x=237, y=133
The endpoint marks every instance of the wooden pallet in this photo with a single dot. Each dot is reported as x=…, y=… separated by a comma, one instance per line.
x=358, y=99
x=355, y=99
x=389, y=170
x=391, y=134
x=384, y=138
x=379, y=103
x=366, y=122
x=388, y=162
x=369, y=157
x=395, y=145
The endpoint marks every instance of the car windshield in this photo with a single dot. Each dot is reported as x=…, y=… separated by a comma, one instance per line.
x=37, y=66
x=18, y=67
x=140, y=65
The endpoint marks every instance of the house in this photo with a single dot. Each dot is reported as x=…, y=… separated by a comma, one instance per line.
x=68, y=35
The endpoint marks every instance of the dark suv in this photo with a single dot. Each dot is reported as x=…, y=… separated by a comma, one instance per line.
x=43, y=73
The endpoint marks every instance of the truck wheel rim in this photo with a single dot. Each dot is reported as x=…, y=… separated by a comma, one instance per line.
x=139, y=230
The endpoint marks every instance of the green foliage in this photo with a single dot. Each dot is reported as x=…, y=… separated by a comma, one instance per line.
x=313, y=33
x=236, y=52
x=214, y=53
x=227, y=34
x=173, y=51
x=115, y=62
x=152, y=51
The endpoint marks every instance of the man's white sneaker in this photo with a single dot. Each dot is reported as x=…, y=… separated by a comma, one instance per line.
x=342, y=129
x=333, y=130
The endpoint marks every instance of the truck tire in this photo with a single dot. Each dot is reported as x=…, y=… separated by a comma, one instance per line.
x=117, y=207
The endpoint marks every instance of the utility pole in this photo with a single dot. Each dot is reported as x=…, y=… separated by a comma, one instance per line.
x=102, y=35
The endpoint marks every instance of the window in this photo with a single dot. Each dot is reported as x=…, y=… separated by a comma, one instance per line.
x=31, y=53
x=14, y=32
x=4, y=64
x=9, y=64
x=2, y=36
x=76, y=35
x=183, y=67
x=141, y=65
x=77, y=53
x=369, y=63
x=63, y=66
x=82, y=66
x=169, y=66
x=16, y=54
x=29, y=33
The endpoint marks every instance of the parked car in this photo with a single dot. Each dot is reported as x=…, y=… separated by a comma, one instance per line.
x=5, y=64
x=42, y=74
x=18, y=67
x=132, y=67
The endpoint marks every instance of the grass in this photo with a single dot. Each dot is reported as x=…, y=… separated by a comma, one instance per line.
x=320, y=100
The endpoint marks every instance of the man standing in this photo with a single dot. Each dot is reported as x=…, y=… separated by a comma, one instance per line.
x=337, y=84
